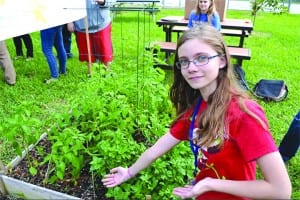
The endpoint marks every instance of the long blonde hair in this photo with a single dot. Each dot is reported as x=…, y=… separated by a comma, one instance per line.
x=212, y=122
x=210, y=11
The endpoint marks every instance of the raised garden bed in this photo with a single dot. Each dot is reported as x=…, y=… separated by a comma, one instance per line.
x=20, y=184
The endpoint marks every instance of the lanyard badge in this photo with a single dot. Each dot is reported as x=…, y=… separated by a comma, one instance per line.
x=194, y=147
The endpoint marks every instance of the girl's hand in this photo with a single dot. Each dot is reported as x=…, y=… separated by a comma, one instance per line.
x=184, y=192
x=101, y=2
x=116, y=177
x=71, y=27
x=190, y=191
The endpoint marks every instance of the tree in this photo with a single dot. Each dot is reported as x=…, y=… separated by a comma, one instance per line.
x=276, y=6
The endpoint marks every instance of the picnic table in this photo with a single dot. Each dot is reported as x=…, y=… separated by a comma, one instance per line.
x=231, y=27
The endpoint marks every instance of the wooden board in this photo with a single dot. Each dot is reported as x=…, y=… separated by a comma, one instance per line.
x=23, y=190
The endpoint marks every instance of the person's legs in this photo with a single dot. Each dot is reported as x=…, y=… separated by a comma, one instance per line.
x=103, y=45
x=47, y=39
x=289, y=145
x=67, y=39
x=28, y=44
x=82, y=47
x=62, y=56
x=6, y=65
x=18, y=45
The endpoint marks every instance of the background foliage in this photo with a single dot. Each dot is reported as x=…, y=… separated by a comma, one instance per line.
x=112, y=117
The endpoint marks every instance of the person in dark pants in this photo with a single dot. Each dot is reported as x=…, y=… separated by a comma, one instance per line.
x=67, y=39
x=19, y=48
x=290, y=143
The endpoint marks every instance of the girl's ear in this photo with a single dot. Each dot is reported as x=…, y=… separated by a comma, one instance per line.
x=223, y=62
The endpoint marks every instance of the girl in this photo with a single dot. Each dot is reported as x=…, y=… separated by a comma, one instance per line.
x=227, y=131
x=205, y=13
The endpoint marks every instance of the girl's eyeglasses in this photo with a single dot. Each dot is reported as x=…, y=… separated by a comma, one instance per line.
x=198, y=61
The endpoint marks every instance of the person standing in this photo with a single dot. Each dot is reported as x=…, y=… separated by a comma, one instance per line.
x=67, y=40
x=290, y=143
x=7, y=65
x=205, y=12
x=99, y=33
x=19, y=47
x=52, y=37
x=228, y=132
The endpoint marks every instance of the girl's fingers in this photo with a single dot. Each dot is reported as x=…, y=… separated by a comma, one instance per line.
x=114, y=170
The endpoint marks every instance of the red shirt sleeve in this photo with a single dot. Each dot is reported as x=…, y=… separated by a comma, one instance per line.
x=252, y=138
x=180, y=129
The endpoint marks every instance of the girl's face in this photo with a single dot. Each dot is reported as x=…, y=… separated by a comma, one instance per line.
x=204, y=5
x=200, y=65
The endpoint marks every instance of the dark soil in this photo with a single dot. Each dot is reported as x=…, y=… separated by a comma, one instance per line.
x=86, y=188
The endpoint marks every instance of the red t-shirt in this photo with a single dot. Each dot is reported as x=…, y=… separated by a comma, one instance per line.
x=236, y=160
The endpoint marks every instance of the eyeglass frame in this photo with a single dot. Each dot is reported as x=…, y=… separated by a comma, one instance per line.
x=178, y=65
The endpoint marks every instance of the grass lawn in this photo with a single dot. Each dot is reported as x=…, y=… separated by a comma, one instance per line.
x=30, y=106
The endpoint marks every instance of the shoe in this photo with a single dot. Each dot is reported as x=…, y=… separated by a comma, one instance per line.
x=51, y=80
x=18, y=57
x=10, y=83
x=69, y=55
x=28, y=58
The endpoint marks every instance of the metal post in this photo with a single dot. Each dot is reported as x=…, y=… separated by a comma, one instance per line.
x=289, y=6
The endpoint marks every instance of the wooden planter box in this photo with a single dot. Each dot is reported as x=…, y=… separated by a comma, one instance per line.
x=20, y=189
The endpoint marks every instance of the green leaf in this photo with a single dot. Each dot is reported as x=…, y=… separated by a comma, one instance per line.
x=33, y=171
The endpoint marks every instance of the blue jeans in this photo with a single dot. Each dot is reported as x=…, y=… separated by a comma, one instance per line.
x=53, y=37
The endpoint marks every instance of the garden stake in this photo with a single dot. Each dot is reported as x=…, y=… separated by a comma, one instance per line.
x=88, y=45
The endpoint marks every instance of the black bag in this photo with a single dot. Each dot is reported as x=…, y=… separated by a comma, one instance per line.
x=271, y=90
x=290, y=143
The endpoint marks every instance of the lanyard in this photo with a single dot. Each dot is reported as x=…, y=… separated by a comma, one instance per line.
x=194, y=147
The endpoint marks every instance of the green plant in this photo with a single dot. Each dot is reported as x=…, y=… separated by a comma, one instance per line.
x=21, y=130
x=110, y=125
x=277, y=6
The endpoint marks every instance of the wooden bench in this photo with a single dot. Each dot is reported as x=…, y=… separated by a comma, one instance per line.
x=170, y=47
